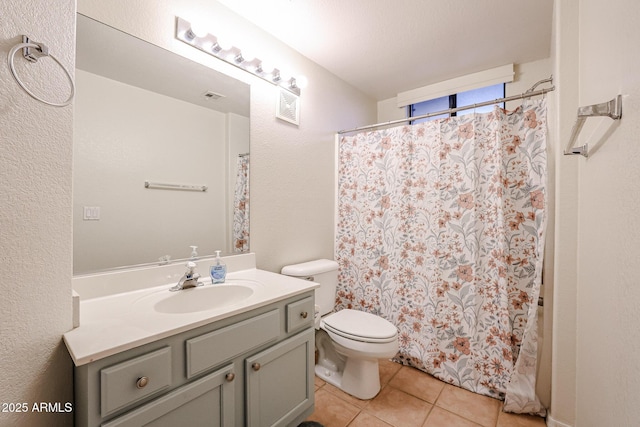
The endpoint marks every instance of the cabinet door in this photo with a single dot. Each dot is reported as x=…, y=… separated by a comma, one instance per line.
x=208, y=402
x=280, y=381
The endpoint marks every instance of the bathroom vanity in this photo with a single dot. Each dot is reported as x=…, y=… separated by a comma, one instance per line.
x=243, y=363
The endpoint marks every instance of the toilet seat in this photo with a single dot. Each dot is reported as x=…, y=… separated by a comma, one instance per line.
x=360, y=326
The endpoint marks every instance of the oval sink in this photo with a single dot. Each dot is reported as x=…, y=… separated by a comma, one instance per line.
x=207, y=297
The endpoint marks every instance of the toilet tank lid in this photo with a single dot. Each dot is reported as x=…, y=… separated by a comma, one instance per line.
x=310, y=268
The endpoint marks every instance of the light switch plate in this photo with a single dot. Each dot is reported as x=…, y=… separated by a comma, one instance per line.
x=91, y=213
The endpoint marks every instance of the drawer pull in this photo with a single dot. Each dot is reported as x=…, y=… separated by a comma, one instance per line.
x=256, y=366
x=304, y=314
x=230, y=376
x=142, y=382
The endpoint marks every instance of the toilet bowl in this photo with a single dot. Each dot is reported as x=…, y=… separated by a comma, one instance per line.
x=358, y=339
x=349, y=342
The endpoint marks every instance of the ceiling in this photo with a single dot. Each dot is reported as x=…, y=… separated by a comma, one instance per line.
x=384, y=47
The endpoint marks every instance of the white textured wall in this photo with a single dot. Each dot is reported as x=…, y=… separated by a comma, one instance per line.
x=292, y=168
x=35, y=216
x=563, y=373
x=388, y=110
x=595, y=377
x=608, y=335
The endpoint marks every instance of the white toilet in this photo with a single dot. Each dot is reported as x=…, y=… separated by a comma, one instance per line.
x=349, y=342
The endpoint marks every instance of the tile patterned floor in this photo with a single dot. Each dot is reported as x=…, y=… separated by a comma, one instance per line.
x=412, y=398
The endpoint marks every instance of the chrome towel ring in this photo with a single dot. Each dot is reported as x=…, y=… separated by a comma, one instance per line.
x=41, y=50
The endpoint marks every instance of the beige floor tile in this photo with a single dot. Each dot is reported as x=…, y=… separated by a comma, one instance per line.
x=439, y=417
x=404, y=402
x=318, y=382
x=387, y=370
x=345, y=396
x=513, y=420
x=417, y=383
x=368, y=420
x=331, y=411
x=398, y=408
x=481, y=409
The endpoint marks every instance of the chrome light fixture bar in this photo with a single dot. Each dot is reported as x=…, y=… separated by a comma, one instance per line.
x=212, y=45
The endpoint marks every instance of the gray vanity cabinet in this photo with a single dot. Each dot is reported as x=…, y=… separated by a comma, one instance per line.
x=253, y=369
x=208, y=401
x=277, y=385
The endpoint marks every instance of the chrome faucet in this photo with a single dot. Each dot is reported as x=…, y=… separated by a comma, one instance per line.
x=189, y=279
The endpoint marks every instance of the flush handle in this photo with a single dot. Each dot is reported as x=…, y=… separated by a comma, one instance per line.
x=142, y=382
x=304, y=314
x=256, y=366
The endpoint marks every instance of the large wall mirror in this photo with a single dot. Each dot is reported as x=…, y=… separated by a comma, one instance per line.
x=145, y=114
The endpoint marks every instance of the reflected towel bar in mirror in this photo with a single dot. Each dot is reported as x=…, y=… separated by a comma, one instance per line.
x=612, y=109
x=183, y=187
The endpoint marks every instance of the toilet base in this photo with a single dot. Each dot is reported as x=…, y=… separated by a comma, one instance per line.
x=360, y=377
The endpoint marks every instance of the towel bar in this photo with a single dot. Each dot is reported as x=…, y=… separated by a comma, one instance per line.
x=183, y=187
x=612, y=109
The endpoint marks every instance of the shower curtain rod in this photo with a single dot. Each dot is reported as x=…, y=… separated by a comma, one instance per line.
x=528, y=94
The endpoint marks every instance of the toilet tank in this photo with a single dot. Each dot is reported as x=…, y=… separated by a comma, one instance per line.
x=322, y=271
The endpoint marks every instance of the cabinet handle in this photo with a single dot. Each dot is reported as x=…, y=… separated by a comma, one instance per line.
x=230, y=376
x=142, y=382
x=304, y=314
x=256, y=366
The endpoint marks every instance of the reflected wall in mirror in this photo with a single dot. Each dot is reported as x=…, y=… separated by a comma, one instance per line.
x=143, y=113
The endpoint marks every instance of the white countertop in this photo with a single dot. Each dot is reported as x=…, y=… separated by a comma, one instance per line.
x=113, y=323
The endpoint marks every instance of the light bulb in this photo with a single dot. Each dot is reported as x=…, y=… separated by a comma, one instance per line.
x=206, y=45
x=224, y=44
x=199, y=29
x=301, y=81
x=267, y=67
x=248, y=55
x=285, y=73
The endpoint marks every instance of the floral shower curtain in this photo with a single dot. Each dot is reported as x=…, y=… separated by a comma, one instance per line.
x=241, y=206
x=441, y=231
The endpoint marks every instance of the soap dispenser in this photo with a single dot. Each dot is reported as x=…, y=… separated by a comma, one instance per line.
x=194, y=252
x=218, y=270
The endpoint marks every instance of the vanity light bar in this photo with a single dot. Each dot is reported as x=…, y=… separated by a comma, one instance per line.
x=211, y=45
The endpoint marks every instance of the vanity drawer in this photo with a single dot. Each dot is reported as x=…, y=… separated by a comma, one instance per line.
x=132, y=380
x=209, y=350
x=300, y=314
